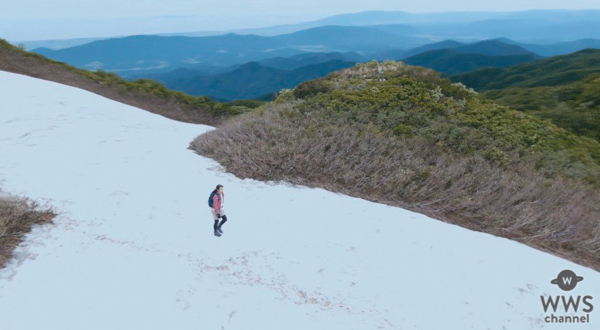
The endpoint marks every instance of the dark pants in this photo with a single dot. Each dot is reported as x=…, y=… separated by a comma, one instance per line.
x=217, y=224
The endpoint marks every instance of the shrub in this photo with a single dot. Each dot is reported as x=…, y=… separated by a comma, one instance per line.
x=17, y=217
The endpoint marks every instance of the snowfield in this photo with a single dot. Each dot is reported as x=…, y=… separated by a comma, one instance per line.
x=133, y=246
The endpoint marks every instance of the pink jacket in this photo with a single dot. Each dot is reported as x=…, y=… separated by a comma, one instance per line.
x=217, y=202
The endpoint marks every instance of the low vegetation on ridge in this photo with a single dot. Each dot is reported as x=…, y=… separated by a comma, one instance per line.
x=142, y=93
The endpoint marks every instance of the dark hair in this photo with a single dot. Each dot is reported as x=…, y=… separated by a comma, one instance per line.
x=218, y=186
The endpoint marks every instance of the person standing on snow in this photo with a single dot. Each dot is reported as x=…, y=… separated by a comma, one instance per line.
x=215, y=201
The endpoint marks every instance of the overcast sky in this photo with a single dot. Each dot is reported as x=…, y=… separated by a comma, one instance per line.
x=120, y=8
x=44, y=19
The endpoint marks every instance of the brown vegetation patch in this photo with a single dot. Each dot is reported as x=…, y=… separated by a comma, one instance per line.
x=17, y=217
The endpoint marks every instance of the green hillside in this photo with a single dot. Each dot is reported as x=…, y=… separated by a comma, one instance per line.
x=564, y=89
x=552, y=71
x=574, y=106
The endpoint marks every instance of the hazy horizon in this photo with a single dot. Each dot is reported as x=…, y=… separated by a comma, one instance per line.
x=52, y=27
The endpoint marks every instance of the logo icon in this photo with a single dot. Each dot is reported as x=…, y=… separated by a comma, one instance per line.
x=567, y=280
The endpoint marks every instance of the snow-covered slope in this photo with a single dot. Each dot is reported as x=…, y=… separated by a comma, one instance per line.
x=133, y=247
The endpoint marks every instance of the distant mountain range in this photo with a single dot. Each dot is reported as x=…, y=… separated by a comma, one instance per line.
x=559, y=48
x=530, y=27
x=450, y=61
x=197, y=65
x=446, y=44
x=271, y=75
x=348, y=38
x=536, y=31
x=452, y=57
x=498, y=47
x=304, y=59
x=249, y=81
x=282, y=63
x=259, y=78
x=138, y=55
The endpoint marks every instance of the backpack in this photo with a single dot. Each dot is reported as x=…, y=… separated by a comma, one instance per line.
x=210, y=198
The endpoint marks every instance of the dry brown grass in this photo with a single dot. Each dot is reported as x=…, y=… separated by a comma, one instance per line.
x=555, y=215
x=17, y=217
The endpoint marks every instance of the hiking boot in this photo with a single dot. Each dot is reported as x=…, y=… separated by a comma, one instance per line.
x=219, y=230
x=217, y=233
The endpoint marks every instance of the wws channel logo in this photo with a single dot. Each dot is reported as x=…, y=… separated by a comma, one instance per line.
x=567, y=281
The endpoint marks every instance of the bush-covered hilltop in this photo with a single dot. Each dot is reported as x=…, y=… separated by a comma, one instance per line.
x=405, y=136
x=414, y=102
